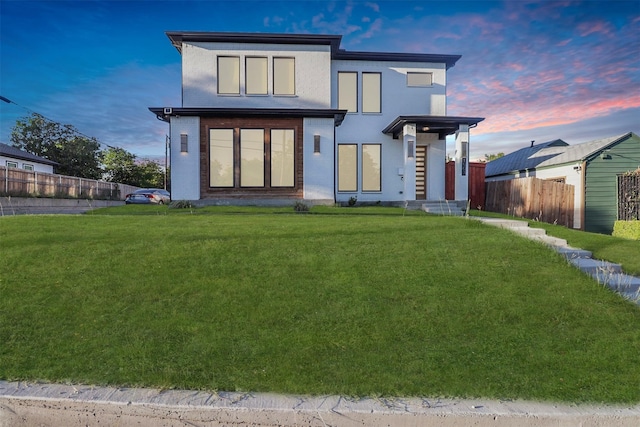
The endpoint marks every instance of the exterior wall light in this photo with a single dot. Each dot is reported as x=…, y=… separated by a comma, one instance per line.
x=184, y=143
x=316, y=143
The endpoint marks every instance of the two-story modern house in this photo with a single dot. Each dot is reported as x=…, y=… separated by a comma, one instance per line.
x=283, y=117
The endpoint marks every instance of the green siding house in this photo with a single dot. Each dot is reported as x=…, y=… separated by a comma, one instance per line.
x=592, y=168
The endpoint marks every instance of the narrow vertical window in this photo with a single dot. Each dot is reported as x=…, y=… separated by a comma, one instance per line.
x=252, y=158
x=282, y=158
x=256, y=76
x=228, y=75
x=221, y=157
x=348, y=91
x=371, y=92
x=371, y=171
x=284, y=80
x=347, y=167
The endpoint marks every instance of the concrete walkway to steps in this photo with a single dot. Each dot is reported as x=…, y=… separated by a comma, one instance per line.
x=606, y=273
x=53, y=405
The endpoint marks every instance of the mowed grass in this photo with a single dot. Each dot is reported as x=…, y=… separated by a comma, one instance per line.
x=373, y=304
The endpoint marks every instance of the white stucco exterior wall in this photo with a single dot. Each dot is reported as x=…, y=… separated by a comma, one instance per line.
x=397, y=98
x=312, y=75
x=318, y=167
x=185, y=167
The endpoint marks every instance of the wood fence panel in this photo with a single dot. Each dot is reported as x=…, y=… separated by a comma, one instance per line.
x=532, y=198
x=19, y=182
x=476, y=183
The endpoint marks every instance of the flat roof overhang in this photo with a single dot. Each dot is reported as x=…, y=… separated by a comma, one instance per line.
x=163, y=113
x=443, y=125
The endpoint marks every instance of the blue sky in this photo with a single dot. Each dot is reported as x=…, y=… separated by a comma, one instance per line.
x=536, y=70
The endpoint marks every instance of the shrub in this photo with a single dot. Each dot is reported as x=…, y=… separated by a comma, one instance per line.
x=353, y=200
x=181, y=204
x=300, y=207
x=627, y=229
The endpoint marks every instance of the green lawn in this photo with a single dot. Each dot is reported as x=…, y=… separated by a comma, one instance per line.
x=625, y=252
x=350, y=301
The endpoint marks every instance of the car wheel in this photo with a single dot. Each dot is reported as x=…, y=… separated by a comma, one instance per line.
x=161, y=202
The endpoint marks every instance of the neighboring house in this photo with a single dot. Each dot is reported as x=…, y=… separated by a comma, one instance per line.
x=592, y=168
x=12, y=157
x=285, y=117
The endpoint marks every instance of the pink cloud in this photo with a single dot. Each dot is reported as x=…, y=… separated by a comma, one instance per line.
x=598, y=27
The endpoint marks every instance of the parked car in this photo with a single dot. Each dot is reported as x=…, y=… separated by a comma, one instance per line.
x=148, y=195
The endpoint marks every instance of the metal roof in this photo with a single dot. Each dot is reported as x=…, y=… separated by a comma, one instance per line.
x=178, y=37
x=16, y=153
x=550, y=153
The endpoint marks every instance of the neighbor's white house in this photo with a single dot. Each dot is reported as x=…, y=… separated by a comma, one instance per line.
x=12, y=157
x=286, y=117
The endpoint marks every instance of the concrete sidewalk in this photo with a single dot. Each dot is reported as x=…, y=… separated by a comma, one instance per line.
x=604, y=272
x=29, y=404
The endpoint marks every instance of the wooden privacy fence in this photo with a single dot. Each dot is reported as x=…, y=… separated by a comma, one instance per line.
x=19, y=182
x=476, y=183
x=532, y=198
x=628, y=197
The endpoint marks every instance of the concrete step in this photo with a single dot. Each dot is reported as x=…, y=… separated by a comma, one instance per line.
x=597, y=268
x=442, y=208
x=572, y=253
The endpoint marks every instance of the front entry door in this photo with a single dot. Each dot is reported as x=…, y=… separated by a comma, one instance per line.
x=421, y=172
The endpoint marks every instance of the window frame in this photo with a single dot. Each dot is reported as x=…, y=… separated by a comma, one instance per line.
x=11, y=164
x=271, y=158
x=246, y=75
x=242, y=165
x=416, y=73
x=218, y=74
x=353, y=178
x=233, y=159
x=378, y=189
x=28, y=167
x=355, y=95
x=379, y=94
x=275, y=76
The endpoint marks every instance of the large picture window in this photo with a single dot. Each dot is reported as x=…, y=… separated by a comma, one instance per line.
x=348, y=91
x=221, y=153
x=284, y=80
x=371, y=92
x=256, y=75
x=252, y=158
x=282, y=158
x=229, y=75
x=347, y=167
x=371, y=170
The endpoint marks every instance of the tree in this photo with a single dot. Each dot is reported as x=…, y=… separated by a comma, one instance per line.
x=489, y=157
x=76, y=154
x=121, y=166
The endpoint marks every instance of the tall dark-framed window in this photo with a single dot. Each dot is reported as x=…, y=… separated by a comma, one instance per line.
x=228, y=75
x=348, y=91
x=256, y=75
x=284, y=76
x=252, y=157
x=371, y=92
x=347, y=167
x=371, y=167
x=282, y=157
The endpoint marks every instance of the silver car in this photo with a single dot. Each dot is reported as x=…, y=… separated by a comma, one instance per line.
x=148, y=195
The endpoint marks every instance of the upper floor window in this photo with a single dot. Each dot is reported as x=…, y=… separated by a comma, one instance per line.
x=348, y=91
x=256, y=75
x=371, y=92
x=419, y=79
x=12, y=164
x=27, y=167
x=284, y=76
x=229, y=75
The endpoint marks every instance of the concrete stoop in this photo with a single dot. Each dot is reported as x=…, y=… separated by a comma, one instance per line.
x=604, y=272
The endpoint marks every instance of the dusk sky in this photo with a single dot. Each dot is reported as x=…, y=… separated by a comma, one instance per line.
x=536, y=70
